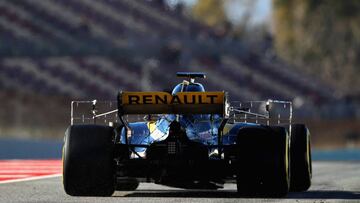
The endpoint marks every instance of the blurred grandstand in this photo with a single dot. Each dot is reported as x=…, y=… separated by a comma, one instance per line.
x=57, y=50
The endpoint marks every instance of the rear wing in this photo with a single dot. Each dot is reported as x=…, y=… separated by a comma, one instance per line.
x=165, y=103
x=134, y=105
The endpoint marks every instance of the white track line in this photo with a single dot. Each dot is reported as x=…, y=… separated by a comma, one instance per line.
x=14, y=175
x=30, y=179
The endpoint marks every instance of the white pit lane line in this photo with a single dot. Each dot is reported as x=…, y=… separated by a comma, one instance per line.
x=30, y=178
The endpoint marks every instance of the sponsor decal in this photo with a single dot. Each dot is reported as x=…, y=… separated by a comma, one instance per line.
x=136, y=98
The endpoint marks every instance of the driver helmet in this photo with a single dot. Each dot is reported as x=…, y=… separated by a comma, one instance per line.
x=192, y=87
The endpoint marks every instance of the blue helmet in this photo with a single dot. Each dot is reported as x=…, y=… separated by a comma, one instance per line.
x=192, y=87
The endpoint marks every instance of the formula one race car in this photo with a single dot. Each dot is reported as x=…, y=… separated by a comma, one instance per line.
x=187, y=138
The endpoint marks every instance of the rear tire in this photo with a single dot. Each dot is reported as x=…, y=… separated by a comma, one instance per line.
x=88, y=161
x=263, y=162
x=127, y=184
x=301, y=167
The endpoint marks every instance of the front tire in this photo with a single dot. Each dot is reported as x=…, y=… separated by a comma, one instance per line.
x=88, y=161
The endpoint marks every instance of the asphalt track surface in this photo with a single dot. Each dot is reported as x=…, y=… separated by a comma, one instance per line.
x=332, y=182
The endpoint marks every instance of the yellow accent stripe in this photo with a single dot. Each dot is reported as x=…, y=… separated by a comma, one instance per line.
x=151, y=126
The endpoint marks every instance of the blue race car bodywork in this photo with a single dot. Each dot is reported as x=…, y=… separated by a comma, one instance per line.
x=190, y=139
x=201, y=128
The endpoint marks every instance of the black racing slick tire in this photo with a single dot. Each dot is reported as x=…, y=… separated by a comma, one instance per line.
x=88, y=161
x=127, y=184
x=300, y=164
x=263, y=162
